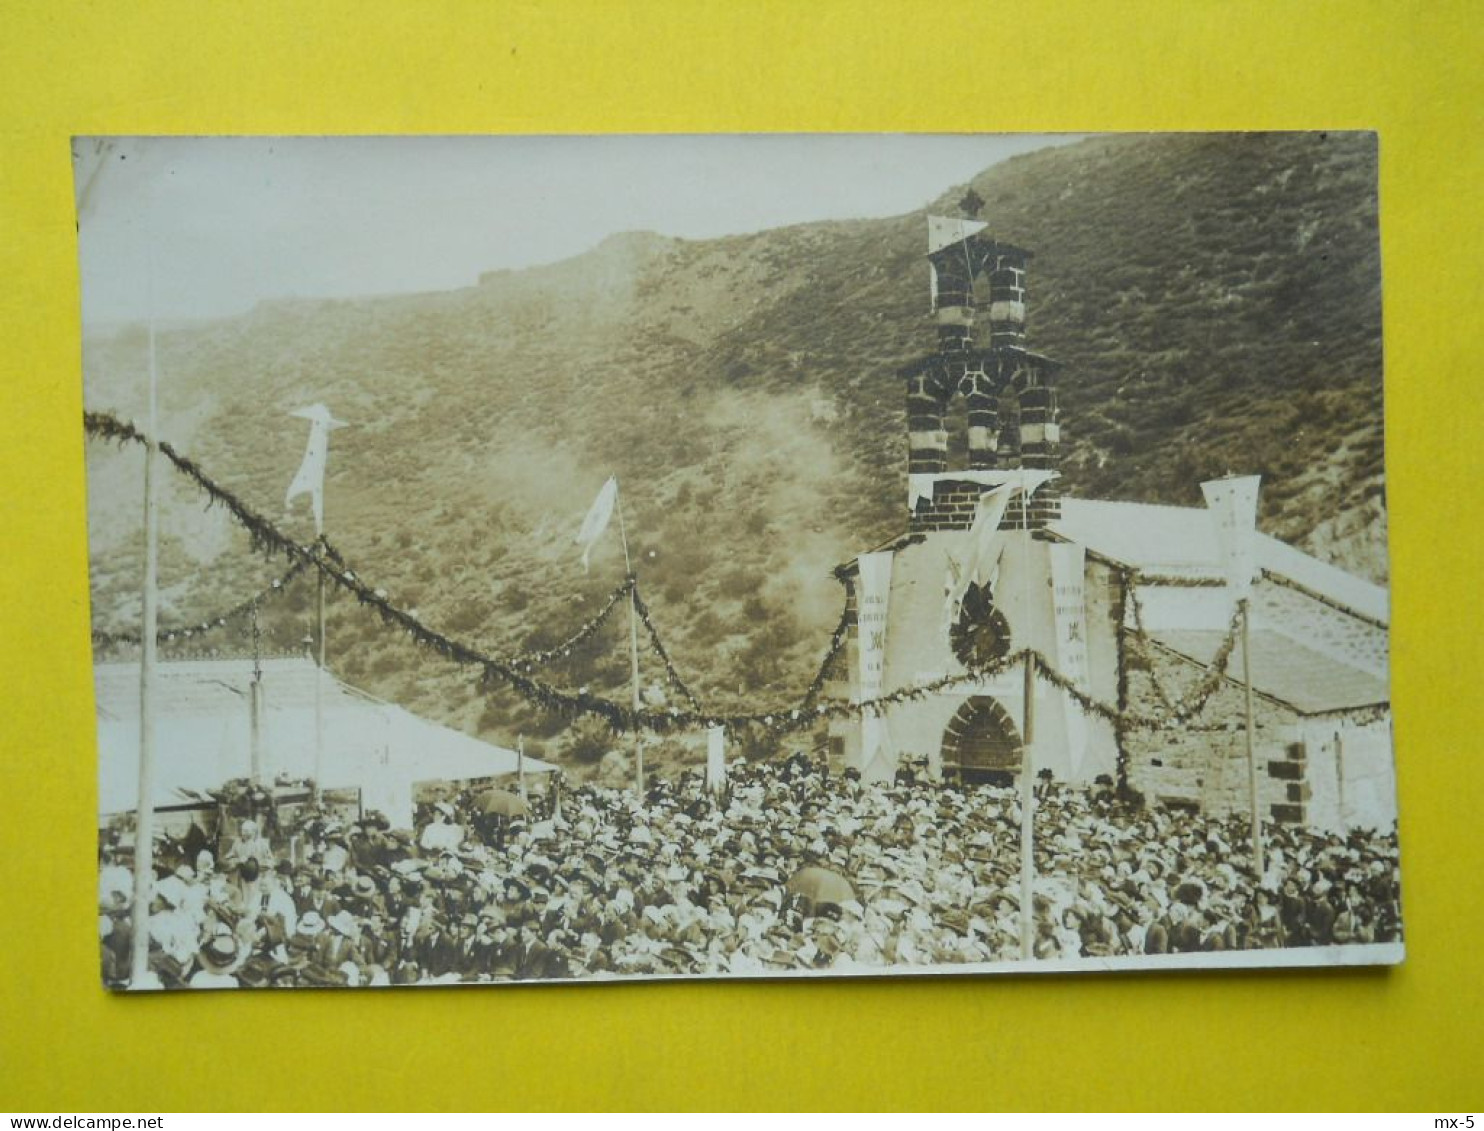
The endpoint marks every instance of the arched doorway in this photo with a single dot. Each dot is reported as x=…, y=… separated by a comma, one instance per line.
x=982, y=743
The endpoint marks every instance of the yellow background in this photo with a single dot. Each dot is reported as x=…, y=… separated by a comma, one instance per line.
x=1408, y=1038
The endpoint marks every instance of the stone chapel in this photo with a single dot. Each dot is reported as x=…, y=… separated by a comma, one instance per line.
x=1128, y=602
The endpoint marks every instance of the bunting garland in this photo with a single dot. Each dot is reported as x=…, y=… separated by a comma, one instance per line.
x=837, y=644
x=275, y=588
x=1289, y=583
x=1120, y=662
x=321, y=555
x=529, y=661
x=1193, y=701
x=658, y=647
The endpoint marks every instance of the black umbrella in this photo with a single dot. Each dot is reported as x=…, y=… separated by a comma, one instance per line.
x=503, y=803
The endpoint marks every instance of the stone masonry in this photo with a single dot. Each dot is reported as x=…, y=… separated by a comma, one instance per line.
x=984, y=378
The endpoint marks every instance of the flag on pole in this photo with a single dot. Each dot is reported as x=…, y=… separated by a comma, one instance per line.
x=1233, y=506
x=597, y=518
x=311, y=477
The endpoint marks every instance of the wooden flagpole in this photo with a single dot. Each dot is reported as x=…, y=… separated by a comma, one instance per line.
x=1027, y=744
x=633, y=646
x=1258, y=849
x=255, y=703
x=144, y=818
x=319, y=675
x=1028, y=817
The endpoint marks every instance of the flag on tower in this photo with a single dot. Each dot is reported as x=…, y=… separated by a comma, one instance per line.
x=597, y=518
x=311, y=477
x=943, y=231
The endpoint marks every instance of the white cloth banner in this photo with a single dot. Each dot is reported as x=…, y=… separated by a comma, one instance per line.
x=716, y=758
x=1069, y=608
x=986, y=540
x=920, y=485
x=985, y=547
x=1233, y=506
x=597, y=518
x=310, y=479
x=871, y=611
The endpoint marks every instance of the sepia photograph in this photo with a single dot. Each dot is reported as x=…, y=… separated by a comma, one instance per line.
x=735, y=556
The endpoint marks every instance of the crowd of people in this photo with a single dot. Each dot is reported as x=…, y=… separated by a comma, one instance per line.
x=787, y=868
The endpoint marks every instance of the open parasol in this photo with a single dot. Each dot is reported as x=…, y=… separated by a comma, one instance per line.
x=820, y=885
x=502, y=803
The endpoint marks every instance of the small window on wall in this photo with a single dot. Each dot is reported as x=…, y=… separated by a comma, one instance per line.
x=1181, y=804
x=956, y=424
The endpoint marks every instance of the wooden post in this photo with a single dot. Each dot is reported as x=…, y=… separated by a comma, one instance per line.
x=255, y=728
x=520, y=765
x=144, y=818
x=633, y=649
x=255, y=704
x=1258, y=855
x=1340, y=778
x=319, y=679
x=1028, y=816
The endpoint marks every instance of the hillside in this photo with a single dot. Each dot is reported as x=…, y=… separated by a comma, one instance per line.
x=1215, y=299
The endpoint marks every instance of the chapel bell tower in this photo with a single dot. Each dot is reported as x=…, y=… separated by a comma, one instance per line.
x=1009, y=393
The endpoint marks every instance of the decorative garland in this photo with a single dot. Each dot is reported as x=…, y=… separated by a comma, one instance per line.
x=529, y=661
x=267, y=539
x=837, y=644
x=1174, y=581
x=1120, y=615
x=658, y=647
x=275, y=588
x=1193, y=701
x=1360, y=716
x=1289, y=583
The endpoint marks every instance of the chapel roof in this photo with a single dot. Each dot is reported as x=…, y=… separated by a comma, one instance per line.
x=1180, y=542
x=1310, y=681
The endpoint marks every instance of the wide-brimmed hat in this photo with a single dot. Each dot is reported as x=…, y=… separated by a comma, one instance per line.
x=218, y=954
x=172, y=890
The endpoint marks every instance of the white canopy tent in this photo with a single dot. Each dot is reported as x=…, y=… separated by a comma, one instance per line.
x=204, y=738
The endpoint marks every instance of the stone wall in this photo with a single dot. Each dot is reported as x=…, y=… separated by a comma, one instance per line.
x=1203, y=763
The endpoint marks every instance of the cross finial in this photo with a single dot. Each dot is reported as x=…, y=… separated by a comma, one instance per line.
x=971, y=203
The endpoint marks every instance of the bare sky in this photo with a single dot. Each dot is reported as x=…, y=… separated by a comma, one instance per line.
x=211, y=226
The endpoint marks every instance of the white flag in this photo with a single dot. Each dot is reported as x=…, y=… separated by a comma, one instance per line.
x=597, y=518
x=311, y=477
x=946, y=230
x=1233, y=506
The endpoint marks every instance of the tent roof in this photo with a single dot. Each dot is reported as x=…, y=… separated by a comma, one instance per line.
x=204, y=735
